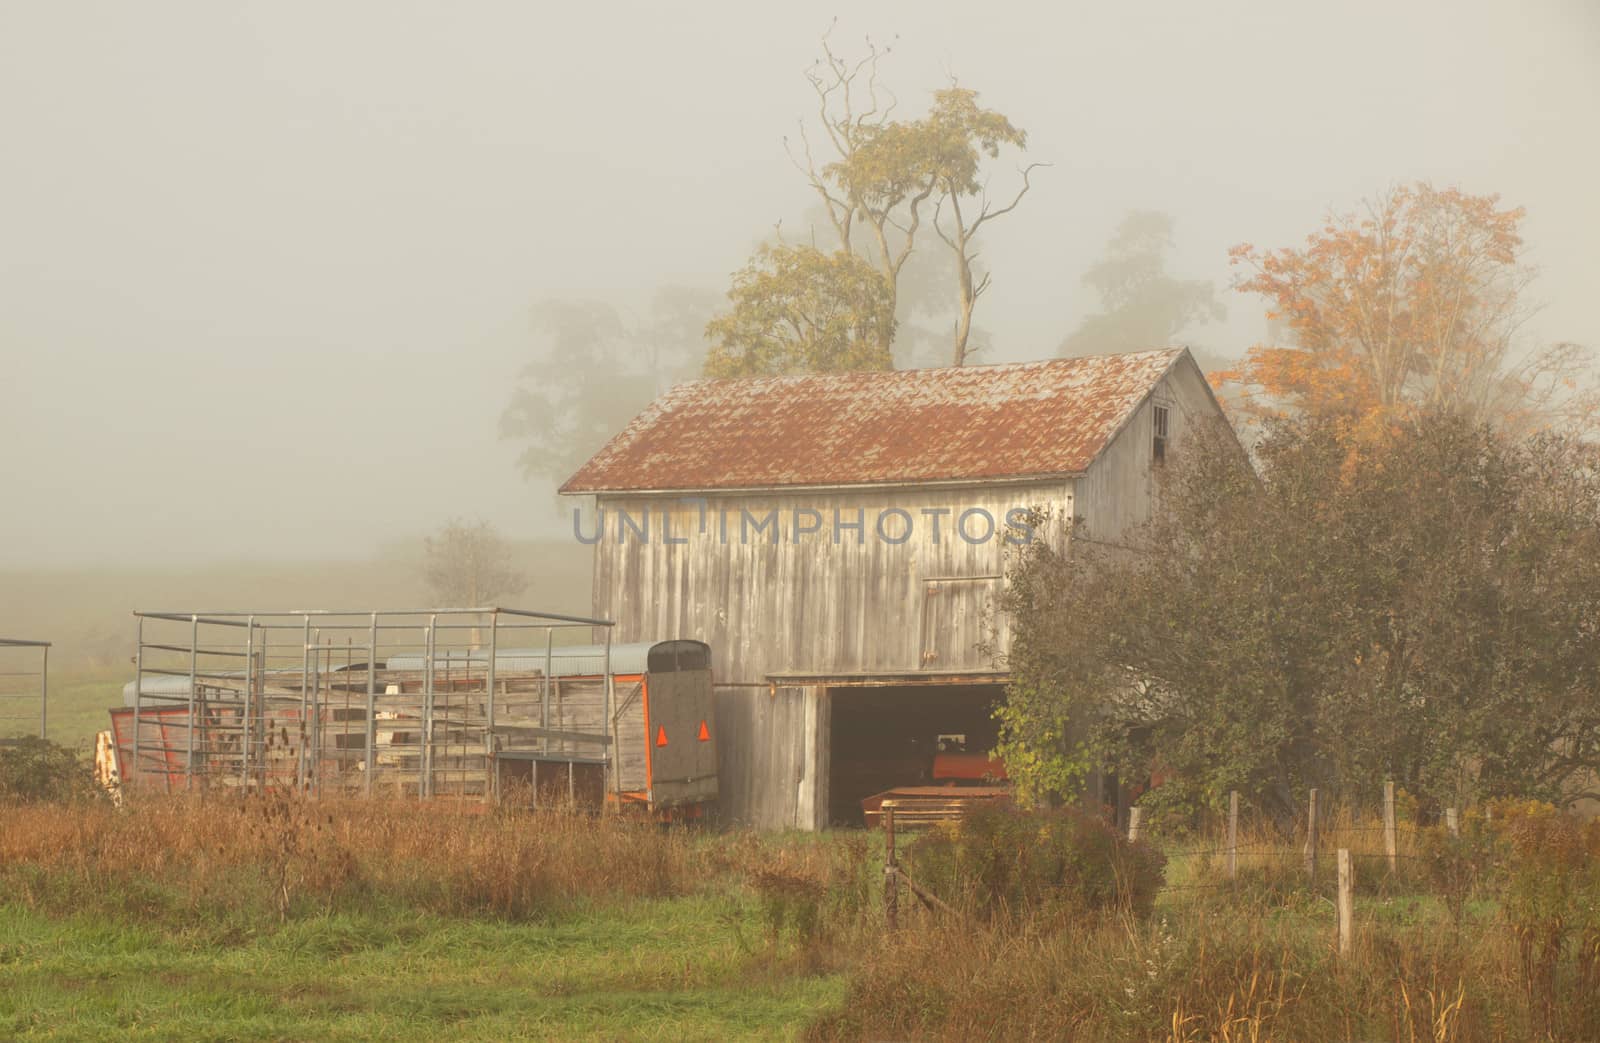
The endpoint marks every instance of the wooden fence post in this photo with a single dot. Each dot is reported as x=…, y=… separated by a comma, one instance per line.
x=1135, y=822
x=1233, y=835
x=1452, y=822
x=1347, y=885
x=891, y=871
x=1390, y=847
x=1311, y=839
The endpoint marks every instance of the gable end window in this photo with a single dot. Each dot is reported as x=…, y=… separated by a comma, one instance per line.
x=1158, y=447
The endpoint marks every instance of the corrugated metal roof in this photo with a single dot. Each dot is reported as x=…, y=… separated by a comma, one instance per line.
x=170, y=686
x=565, y=661
x=161, y=685
x=922, y=425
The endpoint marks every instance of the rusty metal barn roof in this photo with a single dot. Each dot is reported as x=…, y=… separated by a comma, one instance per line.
x=968, y=423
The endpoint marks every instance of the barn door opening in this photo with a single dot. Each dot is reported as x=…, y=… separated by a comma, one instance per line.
x=884, y=737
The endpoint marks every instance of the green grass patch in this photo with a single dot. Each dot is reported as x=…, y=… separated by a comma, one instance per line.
x=681, y=968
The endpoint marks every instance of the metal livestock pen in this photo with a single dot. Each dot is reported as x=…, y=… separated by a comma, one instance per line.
x=407, y=701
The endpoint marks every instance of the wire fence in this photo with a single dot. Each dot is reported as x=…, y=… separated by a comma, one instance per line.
x=1323, y=846
x=1325, y=858
x=24, y=688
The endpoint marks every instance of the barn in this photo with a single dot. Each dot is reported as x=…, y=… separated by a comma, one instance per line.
x=839, y=541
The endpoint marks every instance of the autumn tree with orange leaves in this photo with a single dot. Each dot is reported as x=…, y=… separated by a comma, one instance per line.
x=1414, y=302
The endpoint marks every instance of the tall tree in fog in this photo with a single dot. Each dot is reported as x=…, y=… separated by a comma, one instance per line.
x=962, y=136
x=876, y=173
x=1141, y=304
x=877, y=176
x=922, y=312
x=795, y=309
x=594, y=372
x=671, y=339
x=1413, y=301
x=468, y=564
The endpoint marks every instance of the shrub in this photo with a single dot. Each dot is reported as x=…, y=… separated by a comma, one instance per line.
x=1458, y=865
x=792, y=896
x=1002, y=860
x=811, y=891
x=33, y=770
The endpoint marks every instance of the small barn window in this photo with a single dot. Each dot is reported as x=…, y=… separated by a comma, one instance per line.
x=1158, y=448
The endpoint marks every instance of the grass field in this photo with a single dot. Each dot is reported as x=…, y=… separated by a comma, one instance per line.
x=272, y=918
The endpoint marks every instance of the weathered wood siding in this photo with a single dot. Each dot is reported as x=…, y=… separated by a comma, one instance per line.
x=772, y=600
x=772, y=766
x=1118, y=492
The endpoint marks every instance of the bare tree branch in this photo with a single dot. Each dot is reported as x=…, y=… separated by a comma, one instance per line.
x=988, y=214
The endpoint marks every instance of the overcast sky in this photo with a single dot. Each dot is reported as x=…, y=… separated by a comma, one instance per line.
x=266, y=268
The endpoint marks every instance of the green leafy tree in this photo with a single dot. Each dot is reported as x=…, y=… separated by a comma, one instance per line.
x=1142, y=305
x=1429, y=616
x=796, y=309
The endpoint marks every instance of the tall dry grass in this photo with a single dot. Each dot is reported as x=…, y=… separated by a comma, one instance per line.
x=1223, y=976
x=279, y=855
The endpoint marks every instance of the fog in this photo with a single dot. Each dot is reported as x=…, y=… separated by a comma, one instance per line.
x=267, y=270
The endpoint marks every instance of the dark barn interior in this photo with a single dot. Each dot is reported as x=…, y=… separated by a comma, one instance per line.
x=882, y=737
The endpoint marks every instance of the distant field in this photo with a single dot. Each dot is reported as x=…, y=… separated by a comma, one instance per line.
x=87, y=613
x=79, y=701
x=76, y=707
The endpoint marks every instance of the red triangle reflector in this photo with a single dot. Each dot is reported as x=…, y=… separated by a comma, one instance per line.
x=705, y=733
x=661, y=735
